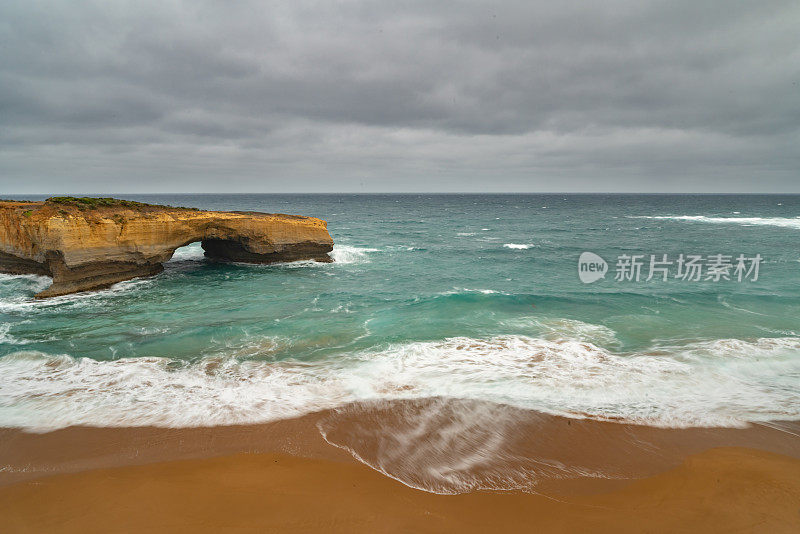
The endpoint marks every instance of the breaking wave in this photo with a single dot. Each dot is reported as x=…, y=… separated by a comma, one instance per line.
x=24, y=303
x=783, y=222
x=26, y=282
x=191, y=252
x=725, y=382
x=350, y=254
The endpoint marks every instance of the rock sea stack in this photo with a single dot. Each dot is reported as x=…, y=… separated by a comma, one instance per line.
x=91, y=243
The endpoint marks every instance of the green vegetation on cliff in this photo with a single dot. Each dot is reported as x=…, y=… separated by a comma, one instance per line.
x=102, y=202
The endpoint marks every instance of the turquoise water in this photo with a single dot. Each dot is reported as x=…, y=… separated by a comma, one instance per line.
x=463, y=296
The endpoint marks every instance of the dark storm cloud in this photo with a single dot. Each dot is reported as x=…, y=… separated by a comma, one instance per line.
x=324, y=96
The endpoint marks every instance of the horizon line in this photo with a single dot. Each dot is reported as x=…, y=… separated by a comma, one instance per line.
x=416, y=193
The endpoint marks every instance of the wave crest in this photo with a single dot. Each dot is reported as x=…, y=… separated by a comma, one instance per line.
x=350, y=254
x=711, y=383
x=783, y=222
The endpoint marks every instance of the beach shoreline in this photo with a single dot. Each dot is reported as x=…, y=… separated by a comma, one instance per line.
x=720, y=490
x=191, y=479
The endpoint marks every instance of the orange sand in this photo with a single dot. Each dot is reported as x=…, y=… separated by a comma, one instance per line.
x=720, y=490
x=284, y=477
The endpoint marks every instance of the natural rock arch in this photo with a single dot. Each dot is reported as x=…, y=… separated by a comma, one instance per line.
x=92, y=246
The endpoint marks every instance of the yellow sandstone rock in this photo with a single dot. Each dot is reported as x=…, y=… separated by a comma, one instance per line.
x=92, y=243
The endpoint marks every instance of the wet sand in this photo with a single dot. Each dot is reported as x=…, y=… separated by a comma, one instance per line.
x=720, y=490
x=570, y=475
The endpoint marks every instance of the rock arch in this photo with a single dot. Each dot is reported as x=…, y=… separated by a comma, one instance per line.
x=92, y=247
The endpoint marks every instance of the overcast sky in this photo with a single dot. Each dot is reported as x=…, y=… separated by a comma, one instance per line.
x=352, y=96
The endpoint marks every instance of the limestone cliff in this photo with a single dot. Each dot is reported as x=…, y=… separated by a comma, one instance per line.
x=92, y=243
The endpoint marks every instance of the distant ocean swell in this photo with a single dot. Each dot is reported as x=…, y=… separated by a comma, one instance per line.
x=782, y=222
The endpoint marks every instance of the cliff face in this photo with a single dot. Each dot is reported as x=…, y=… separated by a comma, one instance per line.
x=87, y=245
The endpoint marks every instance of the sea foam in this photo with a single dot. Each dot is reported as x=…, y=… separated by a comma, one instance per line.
x=783, y=222
x=351, y=254
x=724, y=382
x=191, y=252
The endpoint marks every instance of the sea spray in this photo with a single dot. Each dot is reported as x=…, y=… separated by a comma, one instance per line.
x=719, y=383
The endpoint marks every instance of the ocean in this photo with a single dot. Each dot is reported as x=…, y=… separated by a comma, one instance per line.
x=474, y=298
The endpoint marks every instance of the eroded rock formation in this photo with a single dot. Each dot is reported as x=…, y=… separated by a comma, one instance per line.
x=89, y=244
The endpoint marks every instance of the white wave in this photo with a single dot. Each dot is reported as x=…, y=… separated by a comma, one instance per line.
x=24, y=303
x=10, y=339
x=152, y=331
x=447, y=446
x=191, y=252
x=783, y=222
x=41, y=392
x=460, y=290
x=29, y=282
x=565, y=329
x=299, y=264
x=518, y=246
x=350, y=254
x=6, y=337
x=714, y=383
x=720, y=383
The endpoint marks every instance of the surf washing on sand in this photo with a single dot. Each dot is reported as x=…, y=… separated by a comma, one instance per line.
x=465, y=305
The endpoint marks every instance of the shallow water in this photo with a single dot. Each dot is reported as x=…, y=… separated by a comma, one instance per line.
x=474, y=297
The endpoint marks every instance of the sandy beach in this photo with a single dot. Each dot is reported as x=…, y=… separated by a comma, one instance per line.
x=374, y=267
x=284, y=477
x=721, y=490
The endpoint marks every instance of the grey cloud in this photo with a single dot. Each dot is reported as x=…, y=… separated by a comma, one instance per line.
x=400, y=95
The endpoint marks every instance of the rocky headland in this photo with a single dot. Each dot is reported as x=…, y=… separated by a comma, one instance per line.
x=91, y=243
